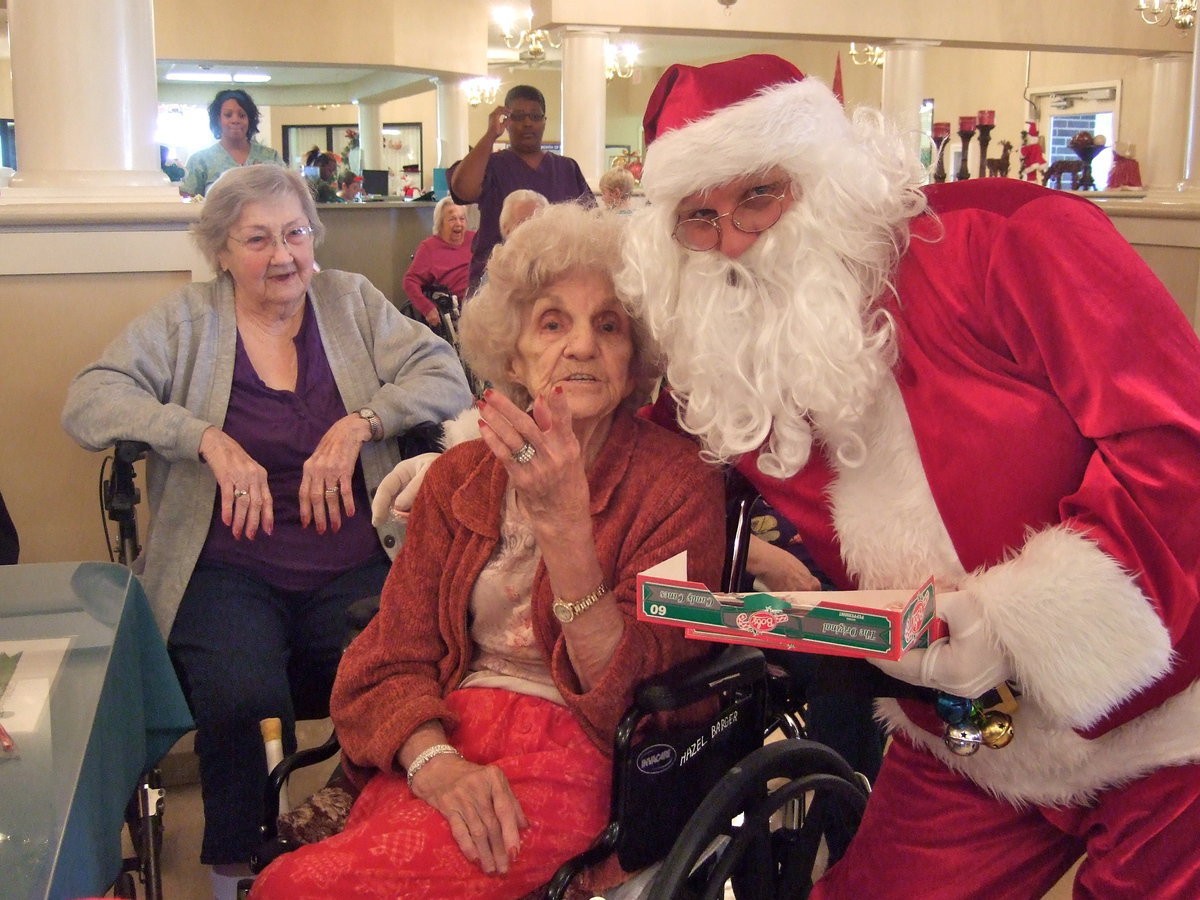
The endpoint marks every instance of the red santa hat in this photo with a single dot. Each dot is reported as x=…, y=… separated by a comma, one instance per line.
x=1031, y=129
x=709, y=124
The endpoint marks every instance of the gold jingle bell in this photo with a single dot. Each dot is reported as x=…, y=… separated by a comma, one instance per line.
x=963, y=739
x=997, y=730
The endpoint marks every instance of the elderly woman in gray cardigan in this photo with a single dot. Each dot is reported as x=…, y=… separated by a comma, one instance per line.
x=271, y=397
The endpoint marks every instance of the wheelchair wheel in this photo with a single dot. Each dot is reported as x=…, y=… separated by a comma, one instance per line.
x=763, y=826
x=124, y=886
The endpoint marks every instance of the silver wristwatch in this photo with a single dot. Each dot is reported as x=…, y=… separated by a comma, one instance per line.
x=373, y=421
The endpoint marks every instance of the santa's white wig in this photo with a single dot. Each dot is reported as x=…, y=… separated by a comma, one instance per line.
x=787, y=339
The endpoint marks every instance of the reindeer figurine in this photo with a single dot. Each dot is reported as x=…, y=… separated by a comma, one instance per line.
x=998, y=168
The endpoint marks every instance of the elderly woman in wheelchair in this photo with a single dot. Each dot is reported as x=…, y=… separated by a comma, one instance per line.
x=482, y=700
x=440, y=262
x=271, y=398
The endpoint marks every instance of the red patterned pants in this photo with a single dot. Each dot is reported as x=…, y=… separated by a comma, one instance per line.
x=946, y=839
x=396, y=846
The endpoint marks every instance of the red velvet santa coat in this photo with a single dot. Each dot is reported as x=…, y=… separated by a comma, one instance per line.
x=1040, y=446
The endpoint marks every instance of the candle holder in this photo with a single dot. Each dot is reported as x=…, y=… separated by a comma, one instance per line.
x=963, y=172
x=985, y=138
x=1086, y=154
x=939, y=172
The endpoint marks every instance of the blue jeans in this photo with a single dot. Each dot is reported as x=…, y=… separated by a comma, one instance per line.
x=245, y=651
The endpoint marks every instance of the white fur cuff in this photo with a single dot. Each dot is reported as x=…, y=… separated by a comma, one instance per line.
x=464, y=427
x=1081, y=635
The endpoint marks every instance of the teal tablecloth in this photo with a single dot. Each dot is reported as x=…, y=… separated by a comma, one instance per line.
x=115, y=708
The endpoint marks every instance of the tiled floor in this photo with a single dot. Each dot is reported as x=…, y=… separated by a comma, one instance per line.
x=185, y=879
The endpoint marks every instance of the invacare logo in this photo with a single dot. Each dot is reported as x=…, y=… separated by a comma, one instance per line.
x=655, y=759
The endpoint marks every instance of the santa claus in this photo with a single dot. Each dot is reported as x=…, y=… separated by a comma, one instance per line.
x=978, y=381
x=1033, y=155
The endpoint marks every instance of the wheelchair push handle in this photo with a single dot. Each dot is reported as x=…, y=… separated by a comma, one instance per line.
x=119, y=496
x=733, y=668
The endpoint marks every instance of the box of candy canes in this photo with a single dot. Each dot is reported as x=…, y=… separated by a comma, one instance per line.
x=884, y=624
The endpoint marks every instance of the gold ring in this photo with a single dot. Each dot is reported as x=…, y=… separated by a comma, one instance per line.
x=239, y=494
x=332, y=490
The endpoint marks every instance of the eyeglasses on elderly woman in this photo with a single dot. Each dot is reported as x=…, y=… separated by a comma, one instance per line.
x=295, y=238
x=701, y=230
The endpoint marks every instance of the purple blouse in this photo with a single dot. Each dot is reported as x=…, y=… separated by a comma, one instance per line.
x=557, y=178
x=280, y=430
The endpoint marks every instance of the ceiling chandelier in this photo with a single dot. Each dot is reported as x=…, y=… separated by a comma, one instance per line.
x=530, y=43
x=1180, y=13
x=481, y=90
x=620, y=60
x=867, y=55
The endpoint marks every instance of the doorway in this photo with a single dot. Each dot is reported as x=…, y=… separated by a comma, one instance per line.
x=1064, y=112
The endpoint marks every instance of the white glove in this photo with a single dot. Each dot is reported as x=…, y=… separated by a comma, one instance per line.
x=399, y=487
x=966, y=664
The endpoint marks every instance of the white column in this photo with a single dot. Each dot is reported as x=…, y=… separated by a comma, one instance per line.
x=451, y=122
x=1191, y=165
x=85, y=102
x=904, y=88
x=1161, y=160
x=370, y=134
x=584, y=98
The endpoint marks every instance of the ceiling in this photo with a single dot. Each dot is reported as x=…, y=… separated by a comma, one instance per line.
x=308, y=84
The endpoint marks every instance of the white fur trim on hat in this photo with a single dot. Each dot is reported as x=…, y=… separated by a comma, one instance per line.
x=774, y=127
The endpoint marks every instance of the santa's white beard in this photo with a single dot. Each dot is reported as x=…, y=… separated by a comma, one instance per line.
x=774, y=349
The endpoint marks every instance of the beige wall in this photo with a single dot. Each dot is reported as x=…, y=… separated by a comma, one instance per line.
x=6, y=100
x=399, y=33
x=50, y=327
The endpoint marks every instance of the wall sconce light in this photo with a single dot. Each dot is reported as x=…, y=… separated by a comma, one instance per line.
x=481, y=90
x=1180, y=13
x=530, y=43
x=867, y=55
x=620, y=60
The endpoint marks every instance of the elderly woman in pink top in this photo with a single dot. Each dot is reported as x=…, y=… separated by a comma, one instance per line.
x=444, y=258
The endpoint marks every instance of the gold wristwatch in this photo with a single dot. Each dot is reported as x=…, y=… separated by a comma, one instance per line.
x=566, y=611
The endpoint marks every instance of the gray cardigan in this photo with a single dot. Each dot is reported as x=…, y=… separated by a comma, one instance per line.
x=168, y=377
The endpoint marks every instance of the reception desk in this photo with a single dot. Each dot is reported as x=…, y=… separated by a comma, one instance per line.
x=374, y=239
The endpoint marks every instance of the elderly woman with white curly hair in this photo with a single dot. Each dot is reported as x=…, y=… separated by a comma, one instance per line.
x=482, y=701
x=271, y=398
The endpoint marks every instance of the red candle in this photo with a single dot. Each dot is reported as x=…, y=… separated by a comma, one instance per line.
x=966, y=123
x=941, y=131
x=987, y=117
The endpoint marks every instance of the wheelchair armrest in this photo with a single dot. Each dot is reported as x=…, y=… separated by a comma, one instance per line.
x=130, y=451
x=120, y=495
x=734, y=667
x=280, y=773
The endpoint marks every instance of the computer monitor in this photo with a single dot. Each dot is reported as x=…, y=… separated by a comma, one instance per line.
x=375, y=182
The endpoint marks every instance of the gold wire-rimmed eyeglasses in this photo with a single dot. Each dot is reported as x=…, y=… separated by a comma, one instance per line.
x=751, y=216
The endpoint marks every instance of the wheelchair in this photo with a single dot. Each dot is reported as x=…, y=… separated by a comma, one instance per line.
x=119, y=497
x=704, y=804
x=448, y=308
